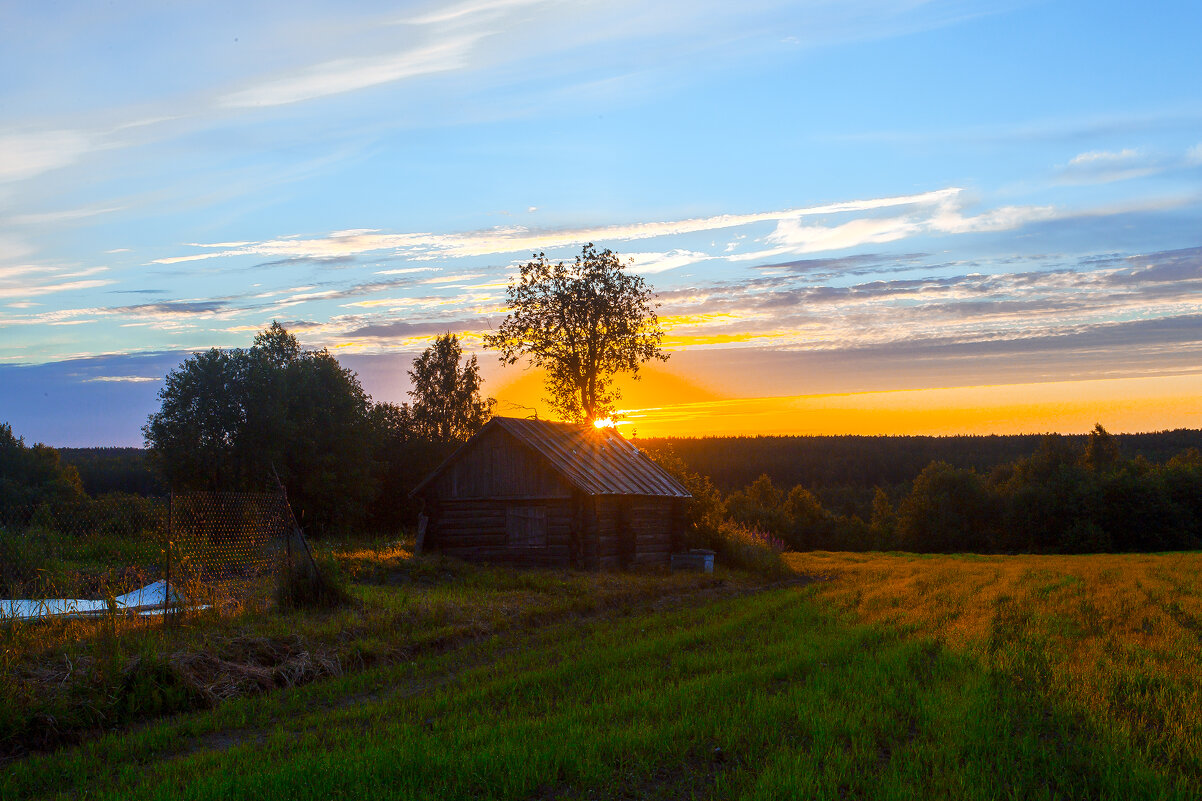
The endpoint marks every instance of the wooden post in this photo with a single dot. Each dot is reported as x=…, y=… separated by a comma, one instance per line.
x=167, y=550
x=422, y=522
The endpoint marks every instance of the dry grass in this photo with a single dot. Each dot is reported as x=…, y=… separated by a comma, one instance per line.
x=1117, y=637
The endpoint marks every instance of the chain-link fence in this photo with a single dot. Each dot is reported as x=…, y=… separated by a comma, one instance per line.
x=145, y=557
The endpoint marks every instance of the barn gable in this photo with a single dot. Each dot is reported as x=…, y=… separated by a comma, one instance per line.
x=538, y=492
x=596, y=461
x=492, y=467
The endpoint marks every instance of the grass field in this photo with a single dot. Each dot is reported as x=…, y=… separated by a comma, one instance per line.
x=63, y=680
x=1115, y=639
x=893, y=677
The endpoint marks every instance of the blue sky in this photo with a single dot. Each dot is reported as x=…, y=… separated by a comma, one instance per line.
x=853, y=196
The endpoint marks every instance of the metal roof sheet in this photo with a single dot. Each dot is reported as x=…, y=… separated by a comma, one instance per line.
x=597, y=461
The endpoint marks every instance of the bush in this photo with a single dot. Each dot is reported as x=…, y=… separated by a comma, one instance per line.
x=303, y=584
x=21, y=558
x=738, y=546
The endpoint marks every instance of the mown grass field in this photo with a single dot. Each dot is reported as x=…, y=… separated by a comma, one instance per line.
x=63, y=680
x=892, y=677
x=1114, y=639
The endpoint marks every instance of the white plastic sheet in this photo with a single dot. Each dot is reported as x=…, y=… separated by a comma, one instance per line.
x=149, y=600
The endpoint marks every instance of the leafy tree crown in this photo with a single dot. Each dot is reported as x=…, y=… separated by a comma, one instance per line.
x=583, y=323
x=447, y=406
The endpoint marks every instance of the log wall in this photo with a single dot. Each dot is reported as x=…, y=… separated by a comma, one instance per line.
x=634, y=530
x=475, y=529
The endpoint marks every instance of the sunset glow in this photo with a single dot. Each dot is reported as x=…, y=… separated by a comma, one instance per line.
x=856, y=217
x=1121, y=405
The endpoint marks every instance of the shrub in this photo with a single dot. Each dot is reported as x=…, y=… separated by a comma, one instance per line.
x=739, y=546
x=303, y=584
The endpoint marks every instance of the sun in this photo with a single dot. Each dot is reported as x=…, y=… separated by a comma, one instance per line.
x=604, y=423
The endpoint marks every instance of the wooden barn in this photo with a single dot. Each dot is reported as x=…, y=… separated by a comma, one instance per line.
x=535, y=492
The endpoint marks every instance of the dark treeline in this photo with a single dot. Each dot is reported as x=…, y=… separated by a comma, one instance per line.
x=33, y=474
x=863, y=461
x=844, y=471
x=104, y=470
x=1066, y=495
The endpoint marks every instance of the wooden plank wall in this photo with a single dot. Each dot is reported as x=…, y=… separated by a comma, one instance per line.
x=650, y=519
x=475, y=529
x=497, y=466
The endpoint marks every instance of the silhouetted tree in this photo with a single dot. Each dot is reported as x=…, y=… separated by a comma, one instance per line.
x=884, y=519
x=229, y=417
x=1101, y=450
x=947, y=510
x=808, y=524
x=32, y=475
x=583, y=323
x=447, y=406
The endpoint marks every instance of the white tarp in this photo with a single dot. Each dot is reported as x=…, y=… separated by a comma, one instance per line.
x=148, y=600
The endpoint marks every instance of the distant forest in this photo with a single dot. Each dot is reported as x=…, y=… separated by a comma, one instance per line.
x=104, y=470
x=844, y=471
x=983, y=494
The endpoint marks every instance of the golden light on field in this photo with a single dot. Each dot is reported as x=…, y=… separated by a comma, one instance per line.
x=668, y=404
x=1089, y=622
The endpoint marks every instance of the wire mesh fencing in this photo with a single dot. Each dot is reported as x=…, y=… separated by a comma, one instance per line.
x=132, y=556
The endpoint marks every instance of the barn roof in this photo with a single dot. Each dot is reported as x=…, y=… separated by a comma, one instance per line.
x=597, y=461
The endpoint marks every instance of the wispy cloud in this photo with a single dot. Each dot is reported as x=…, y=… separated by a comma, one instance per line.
x=34, y=280
x=174, y=308
x=795, y=308
x=931, y=213
x=47, y=289
x=66, y=215
x=518, y=239
x=1106, y=157
x=121, y=379
x=28, y=153
x=652, y=263
x=457, y=12
x=351, y=74
x=1108, y=166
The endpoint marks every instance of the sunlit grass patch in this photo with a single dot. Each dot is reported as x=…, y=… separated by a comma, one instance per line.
x=1114, y=637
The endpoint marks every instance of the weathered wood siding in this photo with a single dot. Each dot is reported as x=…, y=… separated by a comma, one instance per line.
x=634, y=530
x=467, y=505
x=499, y=467
x=475, y=529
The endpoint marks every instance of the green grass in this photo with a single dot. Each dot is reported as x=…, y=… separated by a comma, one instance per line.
x=771, y=695
x=63, y=680
x=1114, y=638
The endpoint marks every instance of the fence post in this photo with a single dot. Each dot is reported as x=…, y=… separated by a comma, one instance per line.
x=167, y=550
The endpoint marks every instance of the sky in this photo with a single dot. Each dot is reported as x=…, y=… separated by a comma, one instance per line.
x=862, y=216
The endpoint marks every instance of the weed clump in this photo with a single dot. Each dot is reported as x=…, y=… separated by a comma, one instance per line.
x=305, y=585
x=736, y=545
